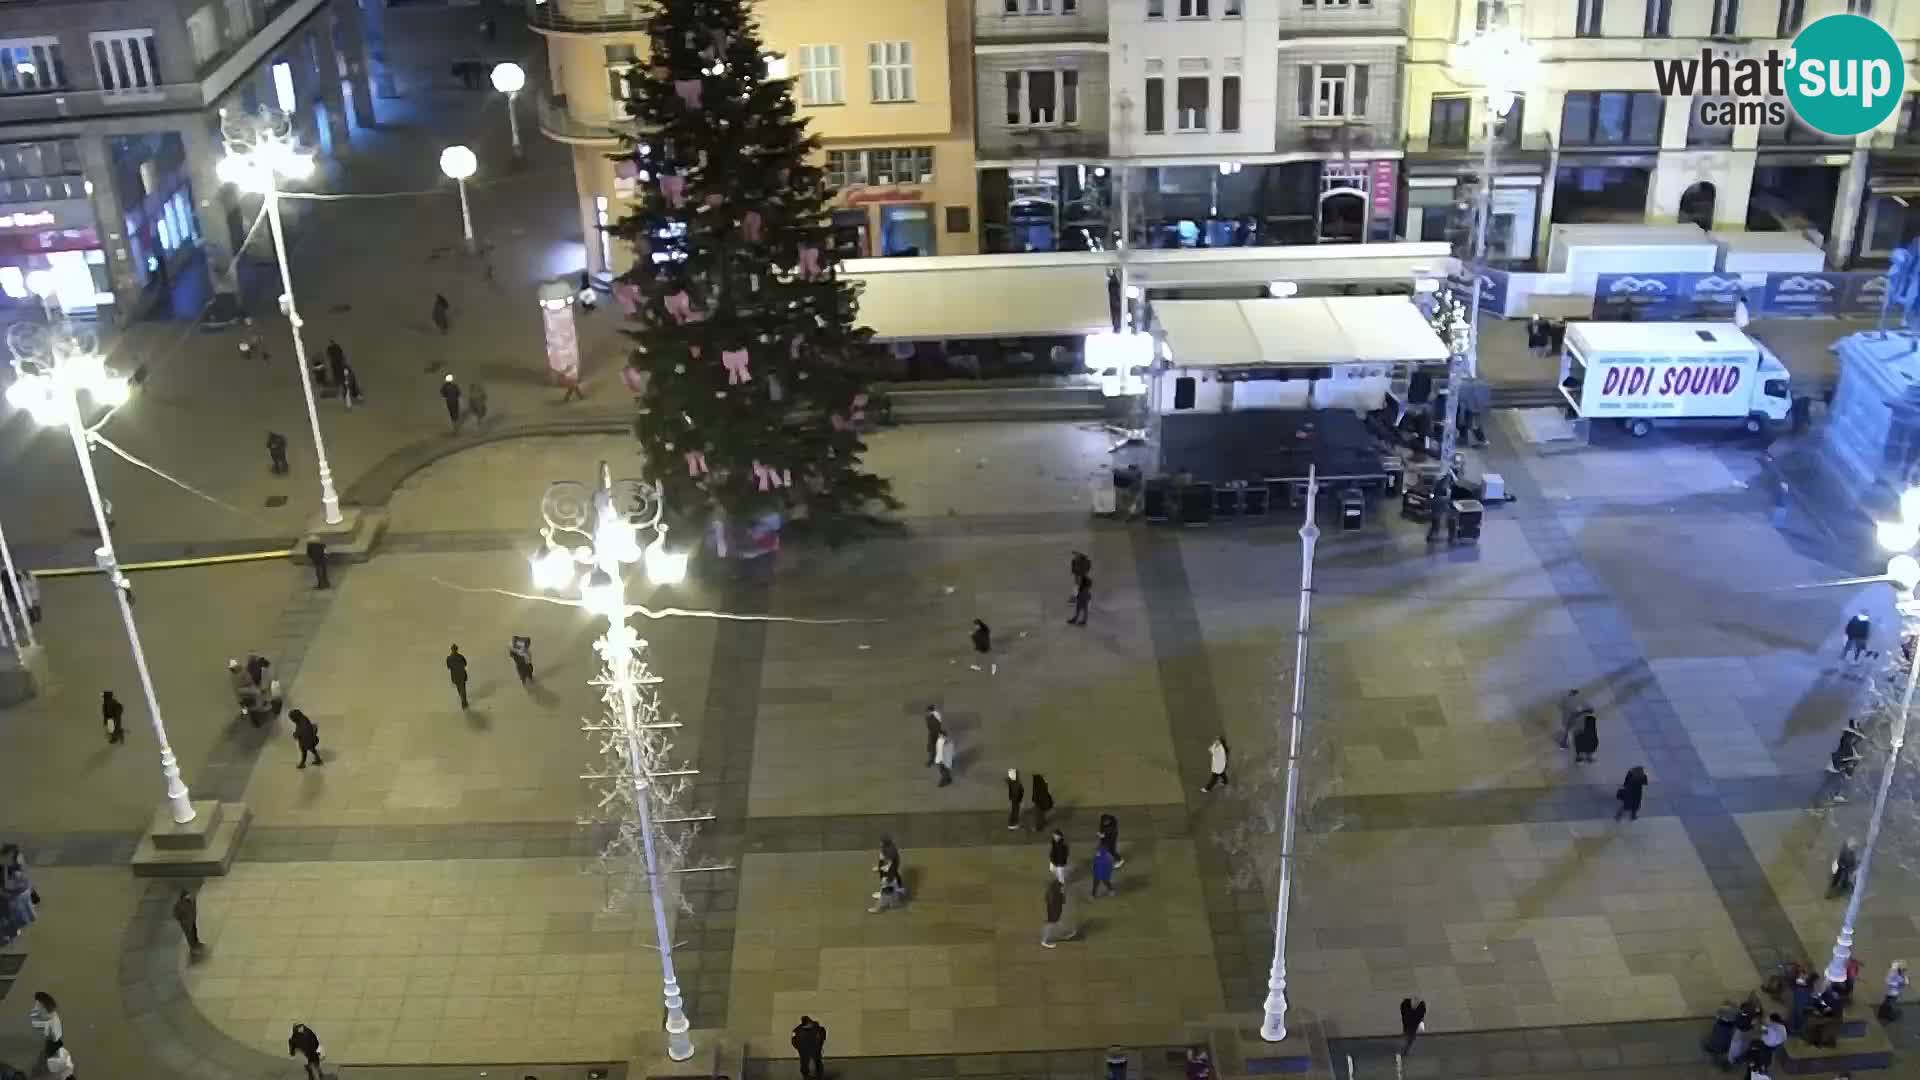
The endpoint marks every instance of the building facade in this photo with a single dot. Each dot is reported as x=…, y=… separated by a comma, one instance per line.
x=887, y=88
x=110, y=134
x=1594, y=140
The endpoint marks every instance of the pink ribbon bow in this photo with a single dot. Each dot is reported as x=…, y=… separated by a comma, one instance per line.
x=736, y=362
x=635, y=379
x=751, y=226
x=627, y=295
x=715, y=199
x=696, y=463
x=793, y=347
x=674, y=190
x=809, y=262
x=626, y=168
x=680, y=306
x=689, y=92
x=693, y=351
x=858, y=412
x=839, y=422
x=766, y=478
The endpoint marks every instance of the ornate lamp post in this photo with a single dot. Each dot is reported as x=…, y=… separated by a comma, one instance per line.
x=53, y=366
x=509, y=79
x=1274, y=1027
x=611, y=518
x=459, y=163
x=261, y=153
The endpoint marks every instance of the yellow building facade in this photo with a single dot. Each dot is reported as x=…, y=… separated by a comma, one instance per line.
x=887, y=88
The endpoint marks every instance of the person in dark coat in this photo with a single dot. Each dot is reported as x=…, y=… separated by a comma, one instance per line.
x=450, y=394
x=350, y=387
x=306, y=735
x=1537, y=335
x=1586, y=741
x=936, y=727
x=1042, y=802
x=982, y=638
x=1632, y=789
x=1844, y=865
x=276, y=453
x=1015, y=793
x=1080, y=565
x=336, y=361
x=520, y=650
x=186, y=912
x=1082, y=596
x=810, y=1042
x=1109, y=838
x=1859, y=631
x=257, y=666
x=457, y=673
x=110, y=713
x=1057, y=856
x=317, y=555
x=1055, y=930
x=304, y=1041
x=441, y=313
x=1412, y=1017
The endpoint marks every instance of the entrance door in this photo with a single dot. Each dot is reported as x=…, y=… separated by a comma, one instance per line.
x=1343, y=216
x=1696, y=204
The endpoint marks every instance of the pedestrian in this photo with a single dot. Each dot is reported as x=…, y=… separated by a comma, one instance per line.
x=1055, y=929
x=1015, y=793
x=589, y=296
x=18, y=900
x=30, y=590
x=1537, y=335
x=306, y=735
x=252, y=344
x=1057, y=856
x=1082, y=596
x=1773, y=1035
x=1586, y=742
x=317, y=370
x=1851, y=737
x=1042, y=802
x=570, y=386
x=350, y=387
x=186, y=912
x=1896, y=984
x=477, y=404
x=1476, y=401
x=943, y=757
x=1859, y=630
x=1571, y=707
x=893, y=885
x=276, y=453
x=1840, y=766
x=317, y=555
x=520, y=649
x=110, y=713
x=1102, y=870
x=1117, y=1063
x=457, y=673
x=1217, y=763
x=936, y=727
x=982, y=638
x=1080, y=565
x=1742, y=1032
x=304, y=1041
x=810, y=1042
x=1845, y=863
x=1413, y=1021
x=257, y=667
x=441, y=312
x=44, y=1015
x=336, y=361
x=1632, y=789
x=450, y=394
x=890, y=862
x=1109, y=838
x=1740, y=312
x=1800, y=999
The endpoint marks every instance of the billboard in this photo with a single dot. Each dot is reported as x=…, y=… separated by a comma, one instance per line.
x=1665, y=297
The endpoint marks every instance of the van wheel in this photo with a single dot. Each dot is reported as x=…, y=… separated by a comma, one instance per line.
x=1639, y=428
x=1753, y=425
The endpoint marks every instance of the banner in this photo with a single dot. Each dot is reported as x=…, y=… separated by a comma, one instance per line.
x=1666, y=297
x=1805, y=294
x=1493, y=290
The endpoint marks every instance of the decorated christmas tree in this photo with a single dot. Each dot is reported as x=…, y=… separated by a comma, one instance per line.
x=746, y=354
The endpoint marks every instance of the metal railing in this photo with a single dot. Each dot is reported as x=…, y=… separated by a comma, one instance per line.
x=1530, y=142
x=75, y=104
x=558, y=122
x=547, y=16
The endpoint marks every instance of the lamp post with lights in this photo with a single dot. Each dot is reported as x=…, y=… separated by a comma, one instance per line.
x=611, y=519
x=509, y=79
x=261, y=153
x=459, y=163
x=53, y=367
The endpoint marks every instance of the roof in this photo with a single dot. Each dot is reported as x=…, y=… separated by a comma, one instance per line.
x=924, y=300
x=1744, y=240
x=1296, y=332
x=1620, y=234
x=1661, y=339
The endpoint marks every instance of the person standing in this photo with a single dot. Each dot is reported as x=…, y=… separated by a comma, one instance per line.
x=457, y=673
x=477, y=404
x=1080, y=565
x=936, y=727
x=442, y=312
x=1632, y=790
x=1586, y=742
x=44, y=1015
x=1217, y=763
x=1571, y=707
x=1042, y=802
x=317, y=555
x=943, y=757
x=304, y=1041
x=1859, y=631
x=1413, y=1020
x=982, y=638
x=1537, y=336
x=306, y=735
x=1055, y=929
x=1102, y=870
x=1015, y=793
x=186, y=912
x=276, y=453
x=1773, y=1036
x=1889, y=1009
x=1109, y=838
x=17, y=896
x=520, y=650
x=111, y=712
x=810, y=1042
x=1082, y=596
x=336, y=362
x=1742, y=1034
x=1844, y=864
x=570, y=386
x=450, y=394
x=1057, y=856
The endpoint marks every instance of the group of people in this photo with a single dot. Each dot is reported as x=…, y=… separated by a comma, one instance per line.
x=474, y=396
x=1579, y=728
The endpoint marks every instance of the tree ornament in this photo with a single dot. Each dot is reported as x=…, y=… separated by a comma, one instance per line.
x=714, y=200
x=679, y=369
x=635, y=379
x=627, y=295
x=793, y=347
x=679, y=306
x=626, y=169
x=858, y=411
x=688, y=90
x=751, y=224
x=775, y=392
x=693, y=351
x=736, y=364
x=674, y=189
x=809, y=265
x=696, y=463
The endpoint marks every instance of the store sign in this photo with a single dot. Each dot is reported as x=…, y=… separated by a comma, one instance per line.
x=1493, y=290
x=1664, y=297
x=1824, y=294
x=36, y=219
x=864, y=196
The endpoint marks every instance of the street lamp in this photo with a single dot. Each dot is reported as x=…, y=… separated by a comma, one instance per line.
x=459, y=163
x=610, y=519
x=41, y=284
x=260, y=153
x=509, y=79
x=53, y=366
x=1274, y=1027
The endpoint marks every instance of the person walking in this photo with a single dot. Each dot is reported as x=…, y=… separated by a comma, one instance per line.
x=520, y=651
x=304, y=1041
x=1859, y=631
x=1840, y=883
x=442, y=312
x=1015, y=793
x=943, y=757
x=1413, y=1020
x=1042, y=802
x=186, y=912
x=1632, y=790
x=1108, y=837
x=350, y=387
x=1851, y=736
x=1057, y=856
x=1082, y=596
x=1586, y=742
x=111, y=712
x=936, y=727
x=457, y=673
x=44, y=1015
x=1840, y=766
x=1889, y=1009
x=1217, y=763
x=1055, y=929
x=276, y=453
x=1102, y=870
x=1537, y=336
x=893, y=885
x=336, y=362
x=317, y=555
x=570, y=386
x=450, y=394
x=810, y=1042
x=1571, y=707
x=17, y=897
x=306, y=735
x=477, y=404
x=982, y=638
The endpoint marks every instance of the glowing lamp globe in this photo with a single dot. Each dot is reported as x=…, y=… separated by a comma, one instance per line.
x=508, y=78
x=1904, y=571
x=665, y=567
x=1897, y=535
x=458, y=162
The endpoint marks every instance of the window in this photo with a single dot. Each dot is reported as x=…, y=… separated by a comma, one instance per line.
x=1230, y=103
x=619, y=89
x=125, y=61
x=1190, y=103
x=203, y=30
x=1156, y=9
x=30, y=64
x=1726, y=18
x=1333, y=91
x=1038, y=7
x=1051, y=98
x=1792, y=14
x=1447, y=123
x=820, y=75
x=888, y=165
x=1231, y=9
x=1611, y=118
x=239, y=20
x=1659, y=16
x=1336, y=5
x=1910, y=120
x=1489, y=14
x=1586, y=18
x=1193, y=9
x=1156, y=119
x=1863, y=8
x=1702, y=133
x=890, y=70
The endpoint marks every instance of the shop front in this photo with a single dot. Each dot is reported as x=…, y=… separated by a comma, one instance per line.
x=1891, y=214
x=884, y=222
x=1440, y=191
x=62, y=238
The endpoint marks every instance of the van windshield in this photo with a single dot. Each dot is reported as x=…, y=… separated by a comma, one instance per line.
x=1776, y=388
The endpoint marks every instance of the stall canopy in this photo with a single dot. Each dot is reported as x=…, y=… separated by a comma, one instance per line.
x=1297, y=332
x=931, y=299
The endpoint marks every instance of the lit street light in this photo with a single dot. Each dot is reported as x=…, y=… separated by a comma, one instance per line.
x=41, y=284
x=509, y=79
x=1273, y=1027
x=53, y=366
x=459, y=163
x=260, y=153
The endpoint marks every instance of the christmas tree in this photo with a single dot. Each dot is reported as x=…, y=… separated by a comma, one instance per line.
x=747, y=356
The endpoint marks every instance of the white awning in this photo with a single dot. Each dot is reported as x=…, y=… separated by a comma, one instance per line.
x=944, y=302
x=1297, y=332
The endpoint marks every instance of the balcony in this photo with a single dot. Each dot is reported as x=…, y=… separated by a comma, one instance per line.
x=547, y=17
x=1049, y=143
x=55, y=105
x=1334, y=138
x=562, y=125
x=1533, y=142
